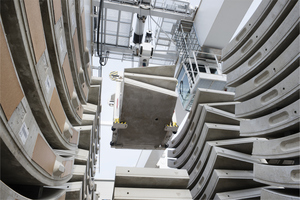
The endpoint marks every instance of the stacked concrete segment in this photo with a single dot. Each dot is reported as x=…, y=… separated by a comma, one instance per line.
x=8, y=193
x=151, y=183
x=90, y=88
x=280, y=95
x=221, y=158
x=283, y=147
x=73, y=190
x=82, y=40
x=266, y=78
x=279, y=194
x=265, y=54
x=257, y=36
x=240, y=145
x=202, y=132
x=50, y=125
x=228, y=180
x=72, y=44
x=53, y=23
x=26, y=155
x=252, y=193
x=209, y=144
x=207, y=97
x=257, y=18
x=31, y=57
x=280, y=67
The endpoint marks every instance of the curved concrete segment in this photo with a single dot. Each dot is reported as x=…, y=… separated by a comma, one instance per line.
x=228, y=180
x=210, y=115
x=43, y=103
x=8, y=193
x=283, y=65
x=202, y=96
x=285, y=119
x=151, y=194
x=264, y=68
x=221, y=158
x=284, y=147
x=188, y=127
x=209, y=132
x=47, y=193
x=35, y=72
x=283, y=194
x=225, y=106
x=268, y=174
x=271, y=49
x=245, y=33
x=262, y=33
x=56, y=45
x=280, y=95
x=151, y=178
x=28, y=153
x=252, y=193
x=206, y=96
x=24, y=149
x=243, y=145
x=74, y=190
x=72, y=43
x=82, y=39
x=194, y=126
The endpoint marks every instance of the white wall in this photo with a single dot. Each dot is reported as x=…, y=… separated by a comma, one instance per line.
x=217, y=20
x=247, y=16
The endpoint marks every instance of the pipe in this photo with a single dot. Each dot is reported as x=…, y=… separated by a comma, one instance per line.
x=139, y=29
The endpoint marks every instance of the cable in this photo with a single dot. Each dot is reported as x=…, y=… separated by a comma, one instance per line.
x=102, y=60
x=148, y=24
x=98, y=24
x=150, y=19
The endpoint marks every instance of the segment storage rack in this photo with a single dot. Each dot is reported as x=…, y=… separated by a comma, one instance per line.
x=50, y=103
x=258, y=157
x=267, y=86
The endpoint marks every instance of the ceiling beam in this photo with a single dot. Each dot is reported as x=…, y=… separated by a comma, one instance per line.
x=156, y=12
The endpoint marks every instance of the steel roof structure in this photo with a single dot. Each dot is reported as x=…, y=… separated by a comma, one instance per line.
x=163, y=16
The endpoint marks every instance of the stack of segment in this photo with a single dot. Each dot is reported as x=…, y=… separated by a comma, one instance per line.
x=210, y=148
x=262, y=62
x=49, y=120
x=151, y=183
x=143, y=109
